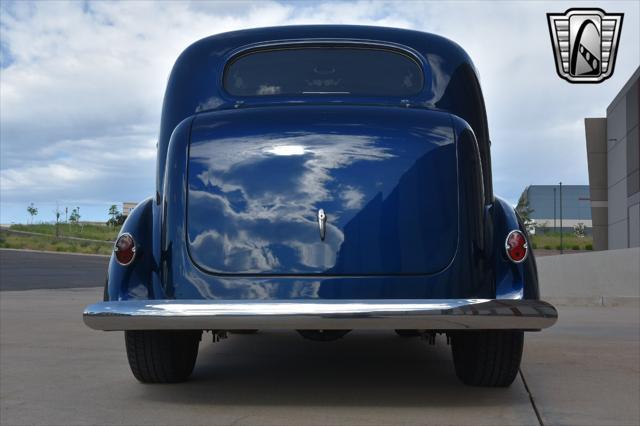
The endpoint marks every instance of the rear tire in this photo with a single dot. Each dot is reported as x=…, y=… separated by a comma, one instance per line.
x=162, y=356
x=487, y=358
x=105, y=293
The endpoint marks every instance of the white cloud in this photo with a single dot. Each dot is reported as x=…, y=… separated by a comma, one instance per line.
x=81, y=85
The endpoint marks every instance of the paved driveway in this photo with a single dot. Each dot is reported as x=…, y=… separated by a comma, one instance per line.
x=28, y=270
x=54, y=370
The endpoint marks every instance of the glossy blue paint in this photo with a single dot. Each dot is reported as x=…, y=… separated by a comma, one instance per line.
x=513, y=281
x=233, y=218
x=255, y=191
x=135, y=281
x=195, y=84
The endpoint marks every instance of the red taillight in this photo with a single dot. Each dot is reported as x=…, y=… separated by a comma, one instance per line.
x=125, y=249
x=516, y=246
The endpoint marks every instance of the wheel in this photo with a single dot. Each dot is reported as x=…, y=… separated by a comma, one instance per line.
x=105, y=293
x=408, y=333
x=243, y=331
x=162, y=356
x=323, y=335
x=487, y=358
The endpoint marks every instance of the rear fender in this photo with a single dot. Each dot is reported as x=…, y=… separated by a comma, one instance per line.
x=135, y=280
x=513, y=280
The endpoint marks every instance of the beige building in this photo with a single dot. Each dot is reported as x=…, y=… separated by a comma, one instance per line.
x=127, y=206
x=613, y=154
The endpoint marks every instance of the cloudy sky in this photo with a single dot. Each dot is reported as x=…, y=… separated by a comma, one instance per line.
x=81, y=88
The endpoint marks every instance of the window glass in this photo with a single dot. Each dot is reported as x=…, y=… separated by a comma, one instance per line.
x=324, y=70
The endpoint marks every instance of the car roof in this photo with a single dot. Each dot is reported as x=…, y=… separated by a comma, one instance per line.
x=195, y=83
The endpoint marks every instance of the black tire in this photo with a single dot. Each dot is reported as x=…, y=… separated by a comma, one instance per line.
x=162, y=356
x=408, y=333
x=105, y=293
x=487, y=358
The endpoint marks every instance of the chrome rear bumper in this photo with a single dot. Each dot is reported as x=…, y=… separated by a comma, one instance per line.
x=446, y=314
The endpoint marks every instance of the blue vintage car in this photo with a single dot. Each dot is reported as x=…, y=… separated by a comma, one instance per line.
x=323, y=179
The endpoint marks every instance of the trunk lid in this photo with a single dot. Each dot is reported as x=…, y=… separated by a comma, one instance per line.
x=385, y=178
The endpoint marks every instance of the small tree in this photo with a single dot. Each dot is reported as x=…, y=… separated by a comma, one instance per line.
x=74, y=217
x=33, y=211
x=523, y=208
x=57, y=213
x=115, y=215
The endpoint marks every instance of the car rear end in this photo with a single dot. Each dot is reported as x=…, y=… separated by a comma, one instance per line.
x=325, y=201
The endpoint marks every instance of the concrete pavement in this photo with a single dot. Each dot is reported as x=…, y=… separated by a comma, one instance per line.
x=586, y=368
x=54, y=370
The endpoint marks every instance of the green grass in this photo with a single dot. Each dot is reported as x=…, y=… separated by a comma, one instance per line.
x=33, y=242
x=90, y=231
x=551, y=241
x=548, y=241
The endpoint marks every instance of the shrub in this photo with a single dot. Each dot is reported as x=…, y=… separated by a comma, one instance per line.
x=547, y=247
x=588, y=247
x=558, y=247
x=534, y=246
x=575, y=247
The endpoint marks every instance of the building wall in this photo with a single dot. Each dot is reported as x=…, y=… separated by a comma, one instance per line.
x=575, y=206
x=623, y=167
x=633, y=162
x=127, y=206
x=567, y=224
x=609, y=274
x=617, y=175
x=613, y=153
x=596, y=133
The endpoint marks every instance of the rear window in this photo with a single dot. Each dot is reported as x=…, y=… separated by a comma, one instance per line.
x=324, y=71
